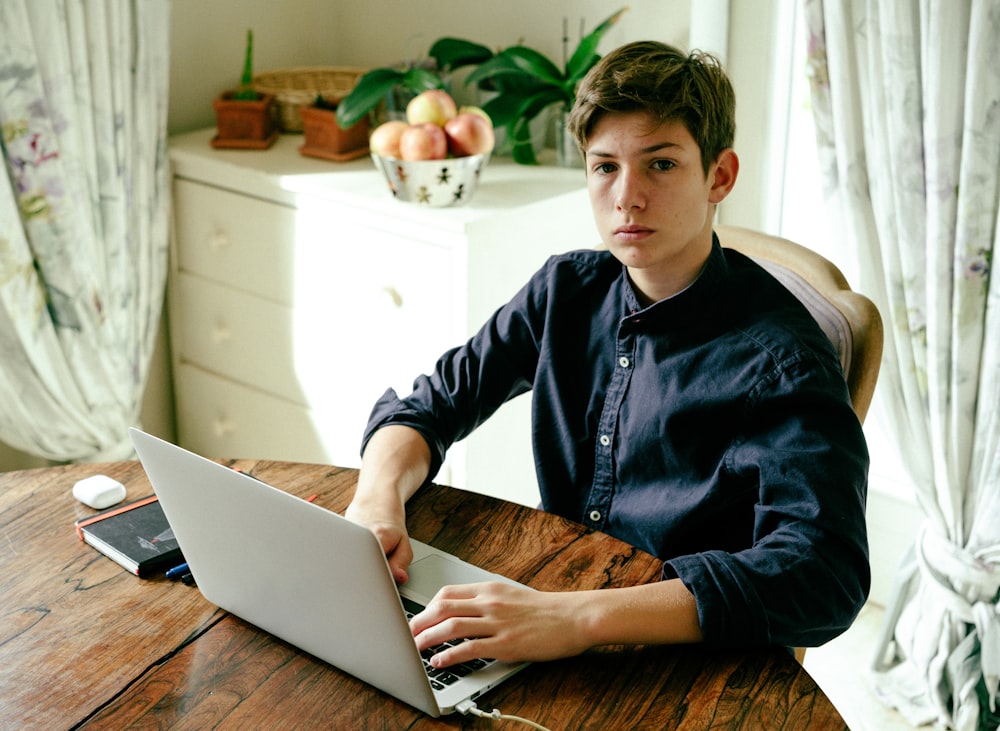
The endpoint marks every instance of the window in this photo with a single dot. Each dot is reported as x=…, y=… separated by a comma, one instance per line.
x=802, y=215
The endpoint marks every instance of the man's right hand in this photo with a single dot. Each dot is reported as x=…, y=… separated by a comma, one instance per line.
x=394, y=465
x=394, y=539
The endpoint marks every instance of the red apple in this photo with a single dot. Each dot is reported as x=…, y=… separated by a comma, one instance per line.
x=384, y=140
x=469, y=134
x=475, y=110
x=434, y=106
x=423, y=142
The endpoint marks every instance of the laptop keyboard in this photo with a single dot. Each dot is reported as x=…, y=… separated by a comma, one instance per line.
x=442, y=677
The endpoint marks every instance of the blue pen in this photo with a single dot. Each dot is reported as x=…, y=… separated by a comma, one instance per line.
x=177, y=571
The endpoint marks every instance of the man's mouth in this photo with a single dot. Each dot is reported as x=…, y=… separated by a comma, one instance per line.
x=632, y=232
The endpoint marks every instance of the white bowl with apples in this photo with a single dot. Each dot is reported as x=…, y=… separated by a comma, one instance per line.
x=436, y=156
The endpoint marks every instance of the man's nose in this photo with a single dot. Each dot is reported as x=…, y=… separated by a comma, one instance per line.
x=629, y=192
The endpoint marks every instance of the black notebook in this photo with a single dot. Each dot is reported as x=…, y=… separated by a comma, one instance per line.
x=135, y=535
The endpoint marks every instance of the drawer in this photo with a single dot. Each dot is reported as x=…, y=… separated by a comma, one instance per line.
x=365, y=318
x=383, y=305
x=219, y=418
x=235, y=239
x=239, y=336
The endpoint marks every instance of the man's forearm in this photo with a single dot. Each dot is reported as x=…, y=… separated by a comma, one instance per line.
x=514, y=623
x=395, y=463
x=660, y=613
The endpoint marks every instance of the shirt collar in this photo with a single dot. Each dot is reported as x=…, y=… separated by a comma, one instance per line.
x=694, y=298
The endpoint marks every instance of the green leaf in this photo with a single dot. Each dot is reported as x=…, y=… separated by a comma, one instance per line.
x=417, y=79
x=505, y=111
x=519, y=84
x=533, y=105
x=585, y=55
x=373, y=86
x=515, y=112
x=369, y=90
x=247, y=78
x=496, y=67
x=534, y=64
x=245, y=91
x=502, y=108
x=576, y=71
x=522, y=150
x=521, y=70
x=453, y=53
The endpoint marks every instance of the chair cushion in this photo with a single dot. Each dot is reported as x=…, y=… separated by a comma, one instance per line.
x=829, y=318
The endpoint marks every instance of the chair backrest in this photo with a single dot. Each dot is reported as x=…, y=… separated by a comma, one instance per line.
x=849, y=319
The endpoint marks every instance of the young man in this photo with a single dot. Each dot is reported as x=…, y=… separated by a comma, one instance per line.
x=683, y=401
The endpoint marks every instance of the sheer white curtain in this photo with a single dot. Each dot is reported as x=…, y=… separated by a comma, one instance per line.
x=83, y=219
x=907, y=102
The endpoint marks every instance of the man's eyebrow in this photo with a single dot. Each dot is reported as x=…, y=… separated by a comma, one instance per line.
x=644, y=151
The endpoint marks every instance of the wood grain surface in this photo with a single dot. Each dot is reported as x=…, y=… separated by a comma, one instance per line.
x=84, y=644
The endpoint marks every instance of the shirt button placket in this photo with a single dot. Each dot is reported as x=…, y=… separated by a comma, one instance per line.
x=601, y=491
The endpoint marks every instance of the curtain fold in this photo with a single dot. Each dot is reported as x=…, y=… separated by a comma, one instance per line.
x=83, y=219
x=907, y=102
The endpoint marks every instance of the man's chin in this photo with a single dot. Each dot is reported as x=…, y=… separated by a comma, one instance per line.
x=634, y=256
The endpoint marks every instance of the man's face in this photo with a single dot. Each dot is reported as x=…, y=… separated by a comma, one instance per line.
x=652, y=201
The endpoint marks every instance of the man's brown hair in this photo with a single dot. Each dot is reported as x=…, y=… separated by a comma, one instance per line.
x=668, y=84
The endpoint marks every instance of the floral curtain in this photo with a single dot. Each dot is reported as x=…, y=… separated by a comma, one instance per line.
x=83, y=219
x=907, y=102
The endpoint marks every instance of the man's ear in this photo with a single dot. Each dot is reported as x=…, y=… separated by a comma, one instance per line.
x=722, y=175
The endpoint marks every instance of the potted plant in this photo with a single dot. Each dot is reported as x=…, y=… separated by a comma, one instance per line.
x=527, y=82
x=524, y=83
x=243, y=116
x=408, y=80
x=324, y=136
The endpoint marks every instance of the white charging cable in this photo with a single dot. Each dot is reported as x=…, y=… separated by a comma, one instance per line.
x=470, y=708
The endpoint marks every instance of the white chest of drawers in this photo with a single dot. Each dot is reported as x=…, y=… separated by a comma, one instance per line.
x=300, y=290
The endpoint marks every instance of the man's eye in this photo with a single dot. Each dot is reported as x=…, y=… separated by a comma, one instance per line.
x=664, y=164
x=605, y=168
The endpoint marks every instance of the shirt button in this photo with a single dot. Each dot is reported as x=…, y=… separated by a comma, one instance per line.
x=595, y=515
x=605, y=440
x=623, y=362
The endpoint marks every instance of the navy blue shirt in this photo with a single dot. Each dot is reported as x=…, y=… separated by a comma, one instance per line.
x=712, y=429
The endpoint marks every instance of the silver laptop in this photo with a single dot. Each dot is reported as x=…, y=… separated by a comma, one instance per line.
x=310, y=576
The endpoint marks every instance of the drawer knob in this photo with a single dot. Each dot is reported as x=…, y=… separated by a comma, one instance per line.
x=223, y=427
x=394, y=295
x=221, y=334
x=218, y=240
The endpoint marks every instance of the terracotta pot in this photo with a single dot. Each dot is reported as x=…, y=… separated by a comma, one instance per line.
x=244, y=123
x=325, y=138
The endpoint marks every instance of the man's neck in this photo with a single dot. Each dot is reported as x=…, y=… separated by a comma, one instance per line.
x=649, y=292
x=652, y=285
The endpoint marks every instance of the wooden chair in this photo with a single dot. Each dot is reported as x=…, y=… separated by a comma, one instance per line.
x=849, y=319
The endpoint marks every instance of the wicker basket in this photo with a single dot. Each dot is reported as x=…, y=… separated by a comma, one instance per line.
x=297, y=87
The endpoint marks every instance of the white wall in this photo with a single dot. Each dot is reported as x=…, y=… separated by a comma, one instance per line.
x=748, y=62
x=207, y=38
x=403, y=32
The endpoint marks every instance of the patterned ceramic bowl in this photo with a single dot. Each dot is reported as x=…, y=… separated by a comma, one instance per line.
x=437, y=183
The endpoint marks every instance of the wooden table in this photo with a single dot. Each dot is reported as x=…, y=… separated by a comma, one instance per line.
x=84, y=644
